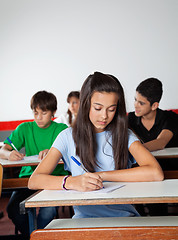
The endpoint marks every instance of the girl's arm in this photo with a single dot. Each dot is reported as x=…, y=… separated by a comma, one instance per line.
x=148, y=169
x=42, y=178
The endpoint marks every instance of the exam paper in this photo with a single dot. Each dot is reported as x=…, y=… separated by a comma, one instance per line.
x=108, y=187
x=33, y=158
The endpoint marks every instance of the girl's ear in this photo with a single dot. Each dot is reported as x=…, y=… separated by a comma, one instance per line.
x=155, y=105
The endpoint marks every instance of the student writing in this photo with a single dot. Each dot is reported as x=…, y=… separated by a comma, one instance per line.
x=37, y=137
x=100, y=140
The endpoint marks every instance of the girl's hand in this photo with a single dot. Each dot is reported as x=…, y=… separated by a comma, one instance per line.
x=15, y=156
x=42, y=154
x=84, y=183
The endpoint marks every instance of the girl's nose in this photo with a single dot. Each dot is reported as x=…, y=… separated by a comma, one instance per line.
x=104, y=114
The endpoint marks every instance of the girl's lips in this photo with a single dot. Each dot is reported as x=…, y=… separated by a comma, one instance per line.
x=101, y=123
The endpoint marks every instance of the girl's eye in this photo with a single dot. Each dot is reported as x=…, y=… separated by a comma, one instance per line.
x=112, y=110
x=97, y=109
x=44, y=113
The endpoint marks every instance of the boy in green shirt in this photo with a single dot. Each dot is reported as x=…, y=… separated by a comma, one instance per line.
x=37, y=137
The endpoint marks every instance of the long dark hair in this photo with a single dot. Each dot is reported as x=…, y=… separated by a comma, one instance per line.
x=83, y=129
x=72, y=94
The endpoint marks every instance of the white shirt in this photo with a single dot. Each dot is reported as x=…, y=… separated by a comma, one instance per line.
x=64, y=118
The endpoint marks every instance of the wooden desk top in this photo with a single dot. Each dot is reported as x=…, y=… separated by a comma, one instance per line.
x=27, y=161
x=166, y=153
x=131, y=193
x=13, y=183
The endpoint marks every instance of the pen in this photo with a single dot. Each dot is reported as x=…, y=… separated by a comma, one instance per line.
x=79, y=164
x=12, y=144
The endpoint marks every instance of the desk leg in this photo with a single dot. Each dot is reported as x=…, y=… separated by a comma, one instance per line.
x=32, y=219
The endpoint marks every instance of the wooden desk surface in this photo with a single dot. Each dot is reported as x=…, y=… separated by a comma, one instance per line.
x=131, y=193
x=12, y=183
x=166, y=153
x=27, y=161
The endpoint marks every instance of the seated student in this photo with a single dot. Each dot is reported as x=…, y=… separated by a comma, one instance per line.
x=69, y=117
x=100, y=139
x=156, y=128
x=37, y=137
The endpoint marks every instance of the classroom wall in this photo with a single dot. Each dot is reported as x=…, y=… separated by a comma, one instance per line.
x=54, y=45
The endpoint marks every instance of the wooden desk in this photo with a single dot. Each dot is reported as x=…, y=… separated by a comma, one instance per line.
x=166, y=153
x=25, y=162
x=122, y=228
x=11, y=183
x=19, y=182
x=131, y=193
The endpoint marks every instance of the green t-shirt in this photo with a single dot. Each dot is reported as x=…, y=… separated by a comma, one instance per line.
x=36, y=139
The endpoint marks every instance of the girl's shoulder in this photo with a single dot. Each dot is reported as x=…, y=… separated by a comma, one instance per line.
x=64, y=138
x=66, y=132
x=131, y=137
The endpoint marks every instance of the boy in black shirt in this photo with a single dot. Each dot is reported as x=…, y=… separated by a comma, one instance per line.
x=156, y=129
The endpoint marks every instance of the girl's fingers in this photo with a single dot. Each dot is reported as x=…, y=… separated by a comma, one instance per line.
x=92, y=181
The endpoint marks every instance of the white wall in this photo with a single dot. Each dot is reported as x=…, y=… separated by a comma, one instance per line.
x=54, y=45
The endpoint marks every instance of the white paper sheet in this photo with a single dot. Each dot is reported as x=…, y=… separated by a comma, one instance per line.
x=108, y=187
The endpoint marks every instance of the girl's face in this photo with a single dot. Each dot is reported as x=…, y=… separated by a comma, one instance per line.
x=102, y=110
x=74, y=105
x=42, y=118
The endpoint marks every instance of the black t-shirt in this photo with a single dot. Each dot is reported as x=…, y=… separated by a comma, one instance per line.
x=164, y=120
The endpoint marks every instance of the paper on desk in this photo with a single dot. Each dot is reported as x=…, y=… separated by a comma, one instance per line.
x=33, y=158
x=108, y=187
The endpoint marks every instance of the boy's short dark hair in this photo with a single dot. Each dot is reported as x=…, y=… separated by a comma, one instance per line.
x=44, y=100
x=152, y=89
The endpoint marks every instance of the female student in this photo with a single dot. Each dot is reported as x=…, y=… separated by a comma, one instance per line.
x=69, y=117
x=101, y=141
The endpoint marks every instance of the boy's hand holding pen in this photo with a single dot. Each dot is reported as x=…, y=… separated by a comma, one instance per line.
x=14, y=155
